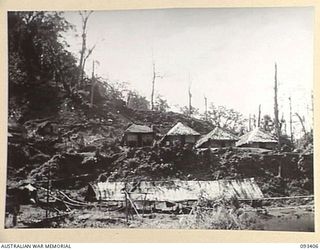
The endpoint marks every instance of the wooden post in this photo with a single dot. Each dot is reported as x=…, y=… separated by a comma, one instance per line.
x=127, y=210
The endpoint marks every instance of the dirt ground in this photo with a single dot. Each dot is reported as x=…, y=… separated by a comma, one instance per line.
x=268, y=218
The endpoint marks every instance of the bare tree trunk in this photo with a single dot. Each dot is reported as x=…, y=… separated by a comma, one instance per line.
x=85, y=16
x=291, y=131
x=250, y=122
x=206, y=108
x=276, y=110
x=312, y=110
x=92, y=85
x=259, y=115
x=302, y=124
x=153, y=83
x=190, y=97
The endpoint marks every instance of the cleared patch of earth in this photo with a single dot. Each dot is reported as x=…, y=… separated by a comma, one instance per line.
x=275, y=219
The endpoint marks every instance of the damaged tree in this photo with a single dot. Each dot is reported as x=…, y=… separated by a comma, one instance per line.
x=190, y=97
x=155, y=75
x=84, y=55
x=302, y=124
x=276, y=110
x=259, y=115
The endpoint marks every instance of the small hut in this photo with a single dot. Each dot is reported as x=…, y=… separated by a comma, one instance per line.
x=217, y=138
x=138, y=136
x=258, y=138
x=182, y=134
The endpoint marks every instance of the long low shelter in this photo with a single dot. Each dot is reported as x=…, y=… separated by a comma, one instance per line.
x=176, y=191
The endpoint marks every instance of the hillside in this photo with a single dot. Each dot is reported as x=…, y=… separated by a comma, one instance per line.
x=77, y=128
x=80, y=144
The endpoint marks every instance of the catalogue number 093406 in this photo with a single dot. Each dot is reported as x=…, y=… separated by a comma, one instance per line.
x=312, y=246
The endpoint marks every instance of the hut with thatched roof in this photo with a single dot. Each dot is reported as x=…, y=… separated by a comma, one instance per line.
x=180, y=133
x=217, y=138
x=258, y=138
x=138, y=136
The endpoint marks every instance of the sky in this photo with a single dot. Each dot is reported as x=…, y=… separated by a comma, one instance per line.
x=227, y=55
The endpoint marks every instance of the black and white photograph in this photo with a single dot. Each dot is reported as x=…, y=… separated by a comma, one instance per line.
x=172, y=118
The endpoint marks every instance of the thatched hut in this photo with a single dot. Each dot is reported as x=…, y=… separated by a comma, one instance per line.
x=217, y=138
x=138, y=136
x=258, y=138
x=182, y=134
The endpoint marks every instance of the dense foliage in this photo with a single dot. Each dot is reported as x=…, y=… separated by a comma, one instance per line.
x=40, y=66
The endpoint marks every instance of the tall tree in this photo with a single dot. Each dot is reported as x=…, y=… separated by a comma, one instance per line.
x=190, y=96
x=276, y=110
x=39, y=63
x=206, y=108
x=84, y=52
x=312, y=114
x=36, y=50
x=302, y=124
x=155, y=75
x=259, y=115
x=290, y=121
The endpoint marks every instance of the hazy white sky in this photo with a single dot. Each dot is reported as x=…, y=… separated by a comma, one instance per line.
x=229, y=54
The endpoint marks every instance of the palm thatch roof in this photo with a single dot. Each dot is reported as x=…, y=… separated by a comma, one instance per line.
x=135, y=128
x=178, y=190
x=256, y=135
x=217, y=134
x=181, y=129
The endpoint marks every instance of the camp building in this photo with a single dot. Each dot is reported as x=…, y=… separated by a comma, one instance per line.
x=138, y=136
x=217, y=138
x=257, y=138
x=181, y=133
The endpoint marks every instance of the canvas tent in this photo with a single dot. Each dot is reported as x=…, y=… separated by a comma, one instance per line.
x=257, y=138
x=181, y=133
x=138, y=136
x=217, y=138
